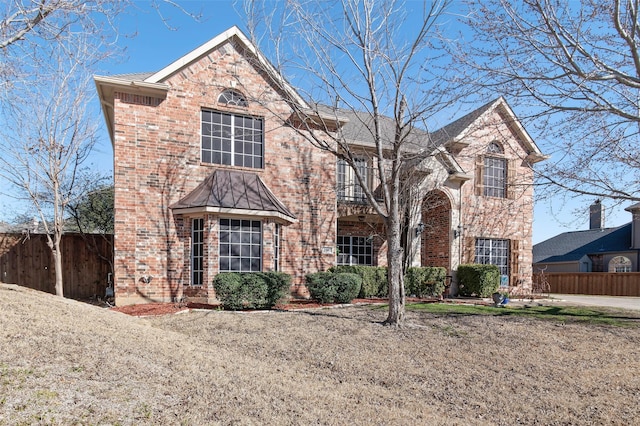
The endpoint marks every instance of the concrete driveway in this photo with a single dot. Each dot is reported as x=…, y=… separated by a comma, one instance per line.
x=621, y=302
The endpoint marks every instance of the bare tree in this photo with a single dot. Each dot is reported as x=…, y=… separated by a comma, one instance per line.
x=49, y=49
x=370, y=63
x=575, y=68
x=48, y=137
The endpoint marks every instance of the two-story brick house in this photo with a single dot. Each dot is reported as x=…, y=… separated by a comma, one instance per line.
x=207, y=180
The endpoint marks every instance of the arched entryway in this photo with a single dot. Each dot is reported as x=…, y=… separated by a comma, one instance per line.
x=436, y=237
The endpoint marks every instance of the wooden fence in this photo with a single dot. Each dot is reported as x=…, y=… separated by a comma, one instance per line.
x=596, y=283
x=27, y=261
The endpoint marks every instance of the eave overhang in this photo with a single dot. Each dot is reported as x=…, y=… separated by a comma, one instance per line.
x=107, y=86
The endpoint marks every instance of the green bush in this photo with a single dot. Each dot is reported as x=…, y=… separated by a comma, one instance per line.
x=253, y=290
x=374, y=279
x=329, y=287
x=229, y=290
x=278, y=286
x=478, y=280
x=425, y=281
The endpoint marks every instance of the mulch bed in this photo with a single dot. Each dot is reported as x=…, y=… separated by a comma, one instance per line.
x=154, y=309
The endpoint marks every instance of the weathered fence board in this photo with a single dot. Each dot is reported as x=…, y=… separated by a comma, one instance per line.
x=28, y=262
x=596, y=283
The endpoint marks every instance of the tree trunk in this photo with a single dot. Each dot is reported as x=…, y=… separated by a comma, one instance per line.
x=57, y=266
x=395, y=272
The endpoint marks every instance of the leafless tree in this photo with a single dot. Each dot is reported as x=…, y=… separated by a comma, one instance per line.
x=575, y=68
x=48, y=51
x=48, y=137
x=370, y=62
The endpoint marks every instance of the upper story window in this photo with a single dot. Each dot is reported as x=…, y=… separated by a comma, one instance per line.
x=349, y=188
x=494, y=175
x=232, y=139
x=231, y=97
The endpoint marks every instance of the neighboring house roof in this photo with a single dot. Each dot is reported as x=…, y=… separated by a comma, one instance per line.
x=572, y=246
x=233, y=192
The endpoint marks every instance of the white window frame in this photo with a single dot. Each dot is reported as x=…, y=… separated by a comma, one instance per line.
x=277, y=239
x=240, y=245
x=233, y=97
x=197, y=251
x=494, y=179
x=231, y=139
x=349, y=189
x=493, y=251
x=354, y=250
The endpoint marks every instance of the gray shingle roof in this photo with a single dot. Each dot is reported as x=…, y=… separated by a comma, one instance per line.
x=572, y=246
x=360, y=129
x=453, y=129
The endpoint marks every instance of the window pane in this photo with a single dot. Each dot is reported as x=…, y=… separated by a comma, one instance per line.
x=354, y=250
x=494, y=252
x=255, y=265
x=197, y=251
x=224, y=264
x=495, y=177
x=245, y=252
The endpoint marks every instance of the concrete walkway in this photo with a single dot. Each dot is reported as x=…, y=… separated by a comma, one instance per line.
x=621, y=302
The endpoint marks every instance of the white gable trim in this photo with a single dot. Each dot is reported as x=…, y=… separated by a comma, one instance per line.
x=209, y=46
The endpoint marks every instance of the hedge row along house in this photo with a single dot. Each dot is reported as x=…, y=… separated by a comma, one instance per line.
x=208, y=180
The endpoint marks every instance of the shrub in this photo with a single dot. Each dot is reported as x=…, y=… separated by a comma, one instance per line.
x=478, y=280
x=328, y=287
x=253, y=290
x=229, y=290
x=278, y=286
x=374, y=279
x=425, y=281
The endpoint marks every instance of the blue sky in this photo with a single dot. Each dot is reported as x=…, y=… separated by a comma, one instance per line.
x=150, y=45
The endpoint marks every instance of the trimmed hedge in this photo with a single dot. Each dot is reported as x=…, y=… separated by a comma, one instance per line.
x=478, y=280
x=330, y=287
x=251, y=290
x=374, y=279
x=425, y=281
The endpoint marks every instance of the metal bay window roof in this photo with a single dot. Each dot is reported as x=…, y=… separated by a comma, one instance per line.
x=236, y=193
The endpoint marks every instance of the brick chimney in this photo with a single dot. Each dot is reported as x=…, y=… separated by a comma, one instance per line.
x=596, y=215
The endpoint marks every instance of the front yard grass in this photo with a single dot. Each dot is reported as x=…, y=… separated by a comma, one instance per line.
x=596, y=316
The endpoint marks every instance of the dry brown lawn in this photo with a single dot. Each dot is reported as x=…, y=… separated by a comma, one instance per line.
x=65, y=362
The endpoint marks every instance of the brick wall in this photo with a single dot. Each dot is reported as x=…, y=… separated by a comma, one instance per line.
x=157, y=162
x=501, y=218
x=435, y=240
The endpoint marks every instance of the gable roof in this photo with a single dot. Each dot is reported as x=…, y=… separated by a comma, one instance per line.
x=454, y=129
x=453, y=134
x=154, y=83
x=572, y=246
x=358, y=129
x=233, y=192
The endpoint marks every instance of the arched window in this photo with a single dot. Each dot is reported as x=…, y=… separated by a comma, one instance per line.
x=620, y=264
x=495, y=148
x=231, y=97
